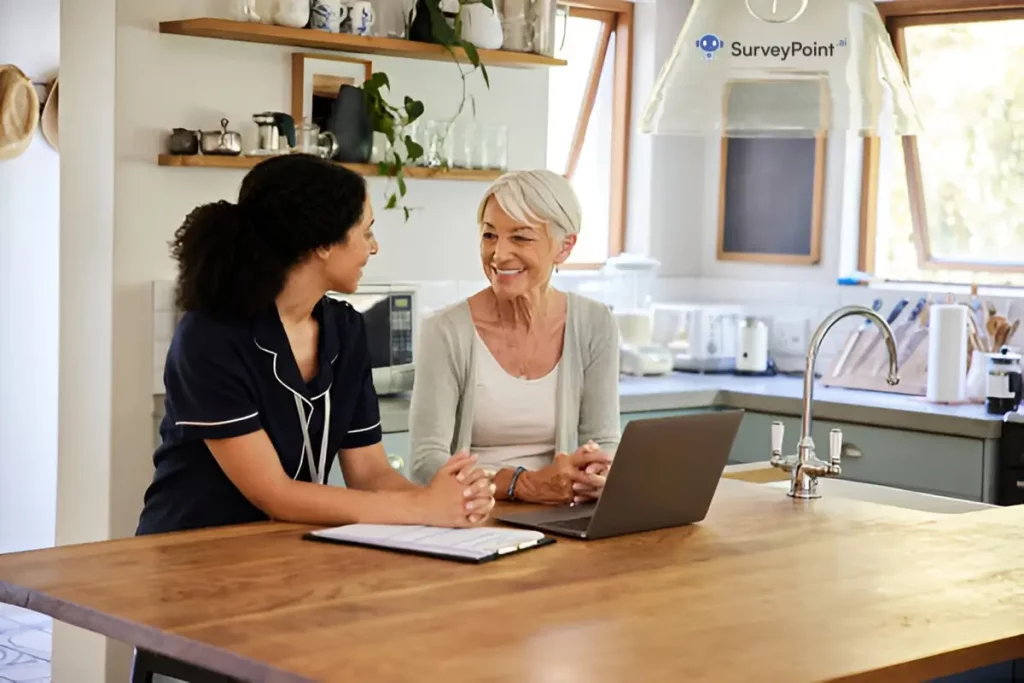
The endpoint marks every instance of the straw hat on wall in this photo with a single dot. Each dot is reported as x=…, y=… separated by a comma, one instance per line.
x=48, y=119
x=19, y=112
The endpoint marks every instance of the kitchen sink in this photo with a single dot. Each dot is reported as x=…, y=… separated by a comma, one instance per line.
x=887, y=495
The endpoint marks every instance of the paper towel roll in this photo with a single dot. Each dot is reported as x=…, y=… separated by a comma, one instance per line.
x=947, y=353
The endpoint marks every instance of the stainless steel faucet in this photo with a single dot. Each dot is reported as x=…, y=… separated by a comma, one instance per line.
x=805, y=467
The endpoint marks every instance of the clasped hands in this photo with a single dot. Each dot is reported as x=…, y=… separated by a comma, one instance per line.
x=575, y=478
x=463, y=495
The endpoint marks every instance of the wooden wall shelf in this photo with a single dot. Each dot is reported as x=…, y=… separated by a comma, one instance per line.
x=223, y=161
x=225, y=29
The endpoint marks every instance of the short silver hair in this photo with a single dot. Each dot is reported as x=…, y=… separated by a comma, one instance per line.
x=537, y=198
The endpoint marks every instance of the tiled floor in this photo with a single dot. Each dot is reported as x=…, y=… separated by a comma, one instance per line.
x=25, y=646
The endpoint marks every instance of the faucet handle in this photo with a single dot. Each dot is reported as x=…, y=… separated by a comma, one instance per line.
x=778, y=429
x=835, y=448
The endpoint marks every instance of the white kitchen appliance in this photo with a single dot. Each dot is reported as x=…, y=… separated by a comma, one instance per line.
x=390, y=313
x=629, y=282
x=701, y=337
x=751, y=346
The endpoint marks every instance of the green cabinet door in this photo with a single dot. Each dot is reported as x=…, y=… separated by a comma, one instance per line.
x=916, y=461
x=626, y=418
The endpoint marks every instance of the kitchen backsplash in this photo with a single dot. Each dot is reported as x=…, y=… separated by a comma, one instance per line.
x=792, y=311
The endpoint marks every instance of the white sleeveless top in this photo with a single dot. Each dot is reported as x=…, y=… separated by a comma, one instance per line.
x=513, y=418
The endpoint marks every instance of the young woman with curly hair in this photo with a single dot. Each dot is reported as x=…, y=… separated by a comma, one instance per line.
x=268, y=380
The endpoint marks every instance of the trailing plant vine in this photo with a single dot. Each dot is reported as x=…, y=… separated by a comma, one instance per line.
x=392, y=121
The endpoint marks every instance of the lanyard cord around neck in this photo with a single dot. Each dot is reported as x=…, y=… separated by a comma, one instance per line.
x=317, y=474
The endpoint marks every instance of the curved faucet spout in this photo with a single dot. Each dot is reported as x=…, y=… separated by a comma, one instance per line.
x=812, y=355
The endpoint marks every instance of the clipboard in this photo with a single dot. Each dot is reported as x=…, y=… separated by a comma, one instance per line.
x=472, y=546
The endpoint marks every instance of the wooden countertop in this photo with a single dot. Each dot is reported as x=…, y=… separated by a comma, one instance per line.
x=766, y=588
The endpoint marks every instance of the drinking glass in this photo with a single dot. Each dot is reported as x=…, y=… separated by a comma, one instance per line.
x=461, y=138
x=493, y=147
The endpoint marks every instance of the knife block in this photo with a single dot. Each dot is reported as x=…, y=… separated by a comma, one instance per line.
x=870, y=374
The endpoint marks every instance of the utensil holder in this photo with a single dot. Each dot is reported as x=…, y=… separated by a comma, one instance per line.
x=870, y=375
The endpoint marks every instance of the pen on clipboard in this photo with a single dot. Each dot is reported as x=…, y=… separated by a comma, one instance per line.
x=512, y=548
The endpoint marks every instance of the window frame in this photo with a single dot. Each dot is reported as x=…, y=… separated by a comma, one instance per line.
x=617, y=19
x=897, y=15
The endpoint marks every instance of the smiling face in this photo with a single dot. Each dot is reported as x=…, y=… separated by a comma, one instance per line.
x=518, y=257
x=344, y=262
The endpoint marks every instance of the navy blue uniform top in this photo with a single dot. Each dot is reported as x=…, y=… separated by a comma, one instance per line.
x=229, y=378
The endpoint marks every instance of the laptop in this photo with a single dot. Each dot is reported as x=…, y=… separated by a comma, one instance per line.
x=666, y=472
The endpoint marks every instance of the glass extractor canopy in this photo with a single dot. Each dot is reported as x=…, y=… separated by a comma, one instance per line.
x=753, y=68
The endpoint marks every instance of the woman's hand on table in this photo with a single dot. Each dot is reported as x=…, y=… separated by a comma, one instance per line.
x=557, y=483
x=459, y=495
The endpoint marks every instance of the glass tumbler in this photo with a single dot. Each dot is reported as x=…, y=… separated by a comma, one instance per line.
x=494, y=146
x=424, y=133
x=462, y=145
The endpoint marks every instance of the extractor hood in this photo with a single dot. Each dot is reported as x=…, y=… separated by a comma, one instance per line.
x=794, y=68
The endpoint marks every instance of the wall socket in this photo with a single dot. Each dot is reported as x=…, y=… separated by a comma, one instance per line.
x=790, y=336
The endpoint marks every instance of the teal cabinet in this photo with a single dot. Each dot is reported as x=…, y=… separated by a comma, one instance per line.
x=916, y=461
x=625, y=418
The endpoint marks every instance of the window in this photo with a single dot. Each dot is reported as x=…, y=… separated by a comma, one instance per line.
x=588, y=121
x=948, y=205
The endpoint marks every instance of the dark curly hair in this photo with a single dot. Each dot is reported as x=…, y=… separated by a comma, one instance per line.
x=233, y=258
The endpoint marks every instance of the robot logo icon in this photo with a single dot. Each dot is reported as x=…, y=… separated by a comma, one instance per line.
x=708, y=44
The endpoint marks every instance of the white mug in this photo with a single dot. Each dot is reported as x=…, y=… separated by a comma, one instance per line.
x=362, y=18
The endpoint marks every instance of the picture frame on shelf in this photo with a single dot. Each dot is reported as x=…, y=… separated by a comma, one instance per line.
x=316, y=79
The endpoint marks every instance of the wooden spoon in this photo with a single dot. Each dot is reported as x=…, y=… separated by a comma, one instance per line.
x=1006, y=330
x=992, y=326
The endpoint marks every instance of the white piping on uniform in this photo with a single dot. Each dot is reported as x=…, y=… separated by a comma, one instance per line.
x=312, y=408
x=214, y=424
x=364, y=429
x=297, y=396
x=278, y=378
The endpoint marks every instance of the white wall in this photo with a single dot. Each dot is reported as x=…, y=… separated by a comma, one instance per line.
x=85, y=474
x=29, y=269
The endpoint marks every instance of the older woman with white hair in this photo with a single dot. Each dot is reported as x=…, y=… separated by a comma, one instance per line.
x=521, y=374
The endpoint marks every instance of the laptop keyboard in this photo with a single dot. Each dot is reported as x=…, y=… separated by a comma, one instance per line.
x=576, y=524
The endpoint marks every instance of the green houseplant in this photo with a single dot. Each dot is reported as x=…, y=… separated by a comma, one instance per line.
x=392, y=120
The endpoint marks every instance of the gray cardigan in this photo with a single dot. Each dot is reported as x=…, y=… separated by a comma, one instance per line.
x=586, y=399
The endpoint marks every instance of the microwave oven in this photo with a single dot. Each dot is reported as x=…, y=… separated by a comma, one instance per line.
x=390, y=313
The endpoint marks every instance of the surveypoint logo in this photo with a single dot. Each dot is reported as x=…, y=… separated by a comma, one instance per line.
x=709, y=44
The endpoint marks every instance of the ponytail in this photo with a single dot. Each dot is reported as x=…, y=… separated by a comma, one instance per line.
x=234, y=259
x=224, y=267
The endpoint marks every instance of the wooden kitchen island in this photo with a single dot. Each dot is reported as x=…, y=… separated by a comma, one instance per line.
x=766, y=589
